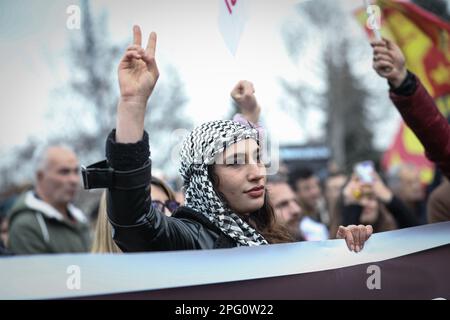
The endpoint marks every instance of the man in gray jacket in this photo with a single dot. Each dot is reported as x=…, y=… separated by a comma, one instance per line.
x=43, y=220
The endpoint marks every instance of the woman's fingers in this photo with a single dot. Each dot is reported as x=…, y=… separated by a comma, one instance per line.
x=381, y=50
x=340, y=233
x=355, y=232
x=383, y=67
x=378, y=43
x=383, y=64
x=383, y=57
x=137, y=36
x=148, y=55
x=151, y=45
x=376, y=176
x=349, y=239
x=132, y=55
x=362, y=236
x=135, y=47
x=369, y=231
x=389, y=44
x=247, y=87
x=236, y=92
x=242, y=88
x=345, y=233
x=135, y=51
x=148, y=61
x=364, y=233
x=355, y=236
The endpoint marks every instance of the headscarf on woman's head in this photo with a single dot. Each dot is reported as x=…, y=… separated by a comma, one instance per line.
x=199, y=150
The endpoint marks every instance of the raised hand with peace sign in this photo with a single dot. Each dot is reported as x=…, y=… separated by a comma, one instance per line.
x=138, y=74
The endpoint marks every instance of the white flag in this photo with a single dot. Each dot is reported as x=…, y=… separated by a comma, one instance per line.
x=232, y=17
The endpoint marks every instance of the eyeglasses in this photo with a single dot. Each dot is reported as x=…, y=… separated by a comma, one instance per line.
x=171, y=205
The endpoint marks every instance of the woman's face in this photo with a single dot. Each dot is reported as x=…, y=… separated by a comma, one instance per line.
x=242, y=177
x=370, y=210
x=158, y=194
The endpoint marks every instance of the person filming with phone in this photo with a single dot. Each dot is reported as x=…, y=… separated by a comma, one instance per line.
x=365, y=199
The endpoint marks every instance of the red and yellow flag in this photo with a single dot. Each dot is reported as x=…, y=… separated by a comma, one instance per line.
x=424, y=40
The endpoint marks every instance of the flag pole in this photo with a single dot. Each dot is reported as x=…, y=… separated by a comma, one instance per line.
x=376, y=27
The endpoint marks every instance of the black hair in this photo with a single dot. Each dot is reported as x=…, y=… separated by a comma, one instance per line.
x=299, y=174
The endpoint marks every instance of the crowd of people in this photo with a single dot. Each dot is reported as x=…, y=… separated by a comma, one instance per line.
x=227, y=199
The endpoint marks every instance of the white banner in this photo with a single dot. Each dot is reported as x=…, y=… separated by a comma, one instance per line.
x=78, y=275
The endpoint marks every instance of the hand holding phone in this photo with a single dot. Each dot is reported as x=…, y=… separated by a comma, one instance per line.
x=364, y=171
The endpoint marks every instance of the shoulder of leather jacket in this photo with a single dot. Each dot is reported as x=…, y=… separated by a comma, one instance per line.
x=223, y=241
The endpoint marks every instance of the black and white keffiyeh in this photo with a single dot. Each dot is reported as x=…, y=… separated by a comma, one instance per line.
x=199, y=150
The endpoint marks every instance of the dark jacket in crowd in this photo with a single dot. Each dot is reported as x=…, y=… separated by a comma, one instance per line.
x=138, y=226
x=35, y=227
x=3, y=251
x=421, y=114
x=438, y=207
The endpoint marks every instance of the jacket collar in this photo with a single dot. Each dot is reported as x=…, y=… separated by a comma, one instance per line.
x=50, y=212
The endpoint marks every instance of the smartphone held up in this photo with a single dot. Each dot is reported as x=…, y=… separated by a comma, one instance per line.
x=364, y=171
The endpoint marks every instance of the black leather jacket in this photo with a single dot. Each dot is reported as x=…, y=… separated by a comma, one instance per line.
x=137, y=226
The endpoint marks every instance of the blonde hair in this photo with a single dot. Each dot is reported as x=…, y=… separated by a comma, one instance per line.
x=103, y=241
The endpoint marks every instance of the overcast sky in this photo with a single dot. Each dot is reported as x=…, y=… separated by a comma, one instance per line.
x=34, y=43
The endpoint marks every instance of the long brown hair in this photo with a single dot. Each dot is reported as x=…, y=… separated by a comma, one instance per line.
x=262, y=220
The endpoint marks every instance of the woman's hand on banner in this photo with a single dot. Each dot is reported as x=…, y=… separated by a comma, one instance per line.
x=355, y=236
